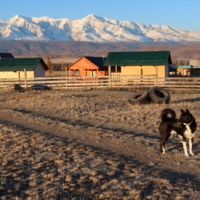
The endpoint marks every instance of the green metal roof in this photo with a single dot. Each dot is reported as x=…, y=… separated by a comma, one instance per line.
x=138, y=58
x=19, y=64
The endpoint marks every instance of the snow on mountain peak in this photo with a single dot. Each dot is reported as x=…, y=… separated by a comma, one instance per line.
x=91, y=29
x=90, y=16
x=15, y=17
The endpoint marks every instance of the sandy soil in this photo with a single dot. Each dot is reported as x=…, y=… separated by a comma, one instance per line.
x=92, y=145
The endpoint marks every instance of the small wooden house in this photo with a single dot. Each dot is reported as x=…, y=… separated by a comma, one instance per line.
x=195, y=63
x=195, y=71
x=140, y=63
x=88, y=66
x=185, y=70
x=22, y=67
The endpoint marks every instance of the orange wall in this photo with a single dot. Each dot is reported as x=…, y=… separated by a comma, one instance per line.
x=84, y=66
x=184, y=71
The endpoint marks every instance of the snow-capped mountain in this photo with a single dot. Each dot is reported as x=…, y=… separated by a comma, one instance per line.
x=92, y=29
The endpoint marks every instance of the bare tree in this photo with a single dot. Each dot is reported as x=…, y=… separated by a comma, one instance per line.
x=183, y=62
x=50, y=66
x=63, y=67
x=175, y=62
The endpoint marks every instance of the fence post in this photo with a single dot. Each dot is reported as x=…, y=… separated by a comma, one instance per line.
x=109, y=74
x=25, y=78
x=66, y=75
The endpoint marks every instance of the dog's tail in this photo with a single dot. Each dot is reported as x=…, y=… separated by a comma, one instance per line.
x=165, y=114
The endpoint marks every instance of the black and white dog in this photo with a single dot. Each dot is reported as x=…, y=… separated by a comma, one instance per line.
x=185, y=127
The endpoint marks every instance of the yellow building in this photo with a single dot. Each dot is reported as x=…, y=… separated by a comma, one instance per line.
x=22, y=67
x=185, y=70
x=140, y=63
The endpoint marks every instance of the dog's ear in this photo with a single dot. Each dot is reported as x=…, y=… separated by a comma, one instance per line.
x=182, y=111
x=187, y=111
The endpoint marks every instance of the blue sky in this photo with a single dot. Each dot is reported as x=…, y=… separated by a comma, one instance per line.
x=183, y=14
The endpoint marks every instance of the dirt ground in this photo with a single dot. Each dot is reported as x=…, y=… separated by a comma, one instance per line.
x=92, y=145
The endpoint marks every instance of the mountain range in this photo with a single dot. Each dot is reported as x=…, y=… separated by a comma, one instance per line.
x=92, y=29
x=92, y=36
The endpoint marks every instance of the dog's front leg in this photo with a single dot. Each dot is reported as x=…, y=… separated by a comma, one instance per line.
x=185, y=148
x=190, y=146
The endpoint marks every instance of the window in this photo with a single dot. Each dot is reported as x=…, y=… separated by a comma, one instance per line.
x=74, y=72
x=93, y=73
x=116, y=69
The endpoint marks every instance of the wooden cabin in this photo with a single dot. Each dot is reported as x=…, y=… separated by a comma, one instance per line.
x=184, y=70
x=88, y=66
x=140, y=63
x=22, y=67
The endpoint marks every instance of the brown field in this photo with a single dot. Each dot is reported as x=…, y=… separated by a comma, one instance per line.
x=90, y=145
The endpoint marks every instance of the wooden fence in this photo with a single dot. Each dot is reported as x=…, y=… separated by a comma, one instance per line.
x=105, y=81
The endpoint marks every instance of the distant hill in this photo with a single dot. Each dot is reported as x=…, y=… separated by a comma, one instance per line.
x=63, y=51
x=178, y=51
x=64, y=47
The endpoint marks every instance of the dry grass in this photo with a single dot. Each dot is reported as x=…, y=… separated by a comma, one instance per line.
x=35, y=165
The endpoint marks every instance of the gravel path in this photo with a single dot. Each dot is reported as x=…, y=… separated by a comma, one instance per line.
x=92, y=145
